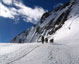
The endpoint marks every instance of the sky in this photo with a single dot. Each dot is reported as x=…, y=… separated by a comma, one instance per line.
x=18, y=15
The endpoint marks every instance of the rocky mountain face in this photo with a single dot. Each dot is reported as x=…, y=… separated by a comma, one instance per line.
x=49, y=23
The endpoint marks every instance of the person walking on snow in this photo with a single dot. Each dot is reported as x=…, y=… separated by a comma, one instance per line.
x=42, y=39
x=46, y=40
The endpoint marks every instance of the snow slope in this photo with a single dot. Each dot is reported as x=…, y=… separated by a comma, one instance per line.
x=70, y=30
x=39, y=53
x=12, y=52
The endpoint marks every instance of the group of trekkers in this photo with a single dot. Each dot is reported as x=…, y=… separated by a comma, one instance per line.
x=45, y=40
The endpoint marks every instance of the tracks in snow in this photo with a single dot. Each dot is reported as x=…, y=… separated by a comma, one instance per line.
x=23, y=55
x=47, y=53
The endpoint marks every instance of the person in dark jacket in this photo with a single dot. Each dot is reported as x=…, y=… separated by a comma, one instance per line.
x=52, y=40
x=42, y=39
x=46, y=40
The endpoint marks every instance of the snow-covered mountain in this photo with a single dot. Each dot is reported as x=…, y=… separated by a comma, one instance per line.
x=60, y=24
x=65, y=49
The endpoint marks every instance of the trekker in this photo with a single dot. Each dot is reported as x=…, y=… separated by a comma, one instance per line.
x=42, y=39
x=46, y=40
x=52, y=40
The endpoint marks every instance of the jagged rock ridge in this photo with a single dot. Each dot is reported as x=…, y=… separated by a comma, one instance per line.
x=50, y=22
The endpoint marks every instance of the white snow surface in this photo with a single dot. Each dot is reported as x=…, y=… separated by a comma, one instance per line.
x=37, y=53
